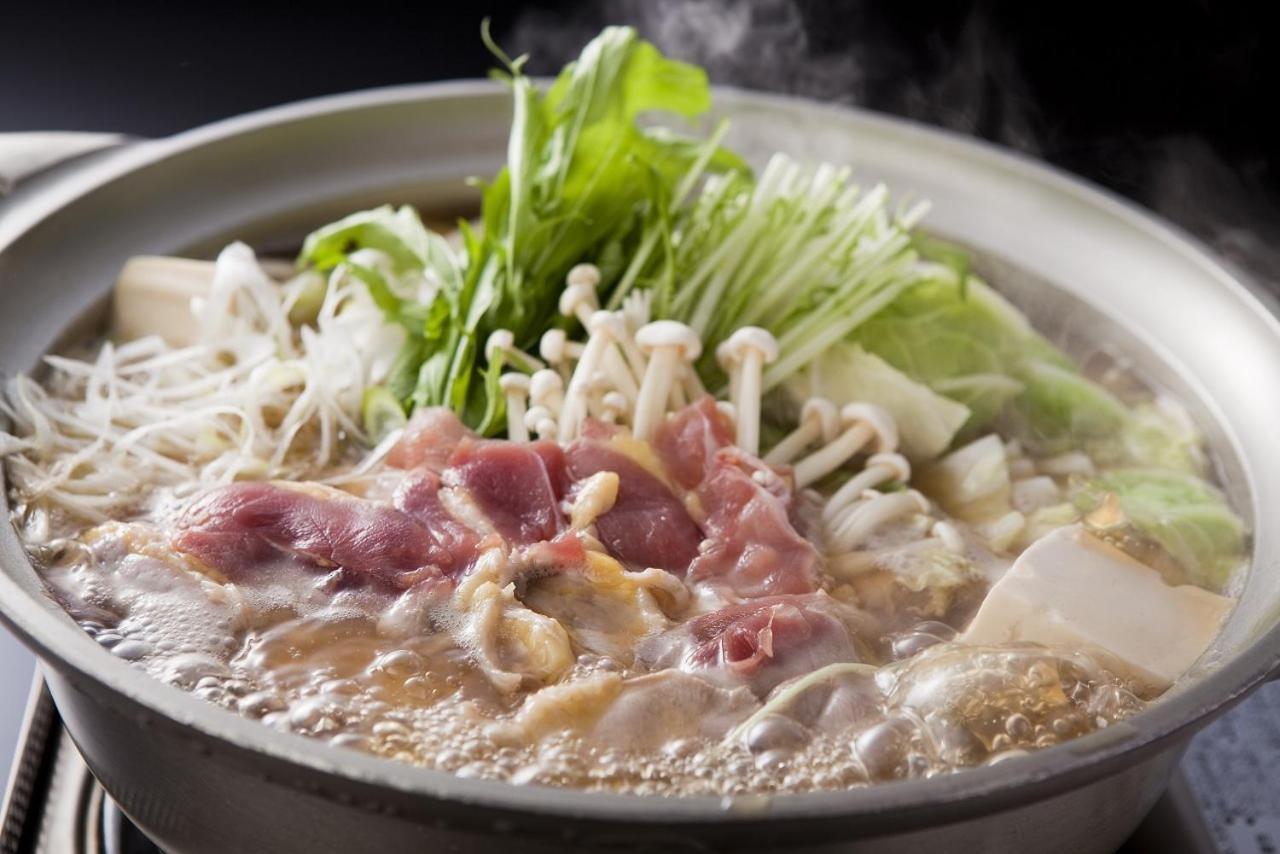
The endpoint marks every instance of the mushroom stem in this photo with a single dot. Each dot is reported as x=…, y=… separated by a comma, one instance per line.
x=880, y=468
x=819, y=419
x=670, y=346
x=600, y=386
x=624, y=338
x=614, y=407
x=515, y=387
x=693, y=387
x=546, y=389
x=575, y=399
x=749, y=404
x=540, y=421
x=733, y=369
x=655, y=390
x=579, y=299
x=504, y=341
x=612, y=328
x=863, y=518
x=619, y=373
x=748, y=350
x=560, y=352
x=678, y=398
x=863, y=423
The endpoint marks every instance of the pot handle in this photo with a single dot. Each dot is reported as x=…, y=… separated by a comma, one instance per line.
x=27, y=153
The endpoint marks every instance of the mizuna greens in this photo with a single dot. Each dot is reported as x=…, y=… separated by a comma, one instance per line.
x=585, y=178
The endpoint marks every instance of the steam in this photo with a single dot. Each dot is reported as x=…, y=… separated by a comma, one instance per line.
x=973, y=86
x=972, y=83
x=1191, y=184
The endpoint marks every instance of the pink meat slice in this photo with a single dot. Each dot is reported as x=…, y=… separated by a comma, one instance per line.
x=751, y=544
x=647, y=525
x=688, y=441
x=517, y=485
x=760, y=643
x=429, y=440
x=237, y=528
x=418, y=496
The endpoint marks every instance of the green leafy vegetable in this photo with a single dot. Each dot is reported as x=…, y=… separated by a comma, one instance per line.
x=380, y=413
x=973, y=346
x=1156, y=434
x=1059, y=408
x=585, y=176
x=584, y=173
x=1189, y=519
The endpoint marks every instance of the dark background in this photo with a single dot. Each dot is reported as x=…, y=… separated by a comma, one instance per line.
x=1170, y=104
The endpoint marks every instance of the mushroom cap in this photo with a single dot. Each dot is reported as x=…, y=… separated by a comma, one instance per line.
x=584, y=274
x=880, y=422
x=921, y=502
x=726, y=357
x=609, y=323
x=616, y=402
x=669, y=333
x=750, y=339
x=599, y=383
x=825, y=413
x=535, y=415
x=553, y=344
x=575, y=295
x=896, y=463
x=514, y=382
x=499, y=339
x=545, y=383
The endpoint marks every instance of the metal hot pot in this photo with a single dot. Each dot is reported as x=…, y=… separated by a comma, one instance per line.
x=1089, y=268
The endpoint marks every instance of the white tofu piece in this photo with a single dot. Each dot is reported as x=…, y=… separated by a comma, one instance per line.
x=153, y=297
x=1072, y=589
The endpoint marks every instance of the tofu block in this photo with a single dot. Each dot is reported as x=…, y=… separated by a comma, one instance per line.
x=1072, y=589
x=153, y=297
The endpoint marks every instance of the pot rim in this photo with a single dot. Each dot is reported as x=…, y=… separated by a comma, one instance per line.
x=1040, y=774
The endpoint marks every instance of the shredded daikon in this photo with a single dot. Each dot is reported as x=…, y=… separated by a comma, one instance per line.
x=256, y=397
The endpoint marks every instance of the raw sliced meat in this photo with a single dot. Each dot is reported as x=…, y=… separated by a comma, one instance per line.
x=237, y=528
x=752, y=546
x=759, y=643
x=516, y=485
x=647, y=525
x=429, y=440
x=418, y=495
x=687, y=442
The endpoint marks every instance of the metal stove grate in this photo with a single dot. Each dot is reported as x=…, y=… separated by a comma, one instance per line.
x=53, y=804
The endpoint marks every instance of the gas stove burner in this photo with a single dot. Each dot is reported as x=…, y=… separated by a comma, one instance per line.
x=55, y=806
x=119, y=835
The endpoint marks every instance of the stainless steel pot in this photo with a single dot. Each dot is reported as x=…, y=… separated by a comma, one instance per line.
x=1095, y=270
